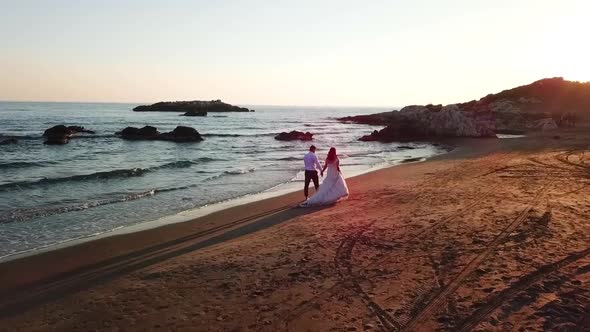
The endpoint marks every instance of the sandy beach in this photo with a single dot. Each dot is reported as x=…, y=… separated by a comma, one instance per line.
x=492, y=236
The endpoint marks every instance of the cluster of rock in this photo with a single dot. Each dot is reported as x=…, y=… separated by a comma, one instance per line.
x=190, y=108
x=62, y=134
x=294, y=136
x=147, y=133
x=546, y=104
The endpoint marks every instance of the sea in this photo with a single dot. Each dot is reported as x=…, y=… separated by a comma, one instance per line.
x=98, y=183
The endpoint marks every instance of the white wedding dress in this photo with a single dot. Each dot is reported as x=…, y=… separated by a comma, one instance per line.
x=332, y=189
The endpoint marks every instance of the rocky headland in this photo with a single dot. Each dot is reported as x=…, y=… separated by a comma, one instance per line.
x=193, y=107
x=546, y=104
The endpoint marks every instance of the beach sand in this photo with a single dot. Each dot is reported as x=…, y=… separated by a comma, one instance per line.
x=493, y=236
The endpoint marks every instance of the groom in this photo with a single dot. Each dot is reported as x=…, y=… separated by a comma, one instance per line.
x=312, y=164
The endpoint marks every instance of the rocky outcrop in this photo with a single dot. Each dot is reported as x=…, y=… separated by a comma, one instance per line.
x=193, y=113
x=149, y=133
x=294, y=136
x=448, y=121
x=416, y=123
x=8, y=141
x=549, y=96
x=401, y=131
x=378, y=119
x=567, y=120
x=182, y=134
x=194, y=106
x=546, y=124
x=511, y=111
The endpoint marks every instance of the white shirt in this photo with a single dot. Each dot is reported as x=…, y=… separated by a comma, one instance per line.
x=311, y=162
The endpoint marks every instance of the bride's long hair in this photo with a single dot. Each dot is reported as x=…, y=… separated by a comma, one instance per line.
x=331, y=155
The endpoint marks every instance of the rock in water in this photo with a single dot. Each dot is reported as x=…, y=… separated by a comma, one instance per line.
x=294, y=136
x=57, y=135
x=145, y=133
x=182, y=134
x=61, y=134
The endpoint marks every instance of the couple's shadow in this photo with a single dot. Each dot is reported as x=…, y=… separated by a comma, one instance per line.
x=52, y=288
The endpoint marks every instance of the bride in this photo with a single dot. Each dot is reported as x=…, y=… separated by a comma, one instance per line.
x=334, y=186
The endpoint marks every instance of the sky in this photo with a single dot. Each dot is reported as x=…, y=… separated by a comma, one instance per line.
x=338, y=53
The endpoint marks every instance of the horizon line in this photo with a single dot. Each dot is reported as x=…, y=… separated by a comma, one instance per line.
x=147, y=103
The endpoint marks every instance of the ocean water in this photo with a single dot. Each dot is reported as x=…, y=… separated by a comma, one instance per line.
x=99, y=182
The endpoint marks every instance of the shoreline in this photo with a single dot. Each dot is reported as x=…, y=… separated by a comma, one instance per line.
x=465, y=226
x=111, y=244
x=201, y=211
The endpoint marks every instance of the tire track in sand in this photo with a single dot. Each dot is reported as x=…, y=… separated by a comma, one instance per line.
x=348, y=280
x=523, y=283
x=416, y=322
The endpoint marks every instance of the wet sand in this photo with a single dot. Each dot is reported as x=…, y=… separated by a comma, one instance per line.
x=493, y=236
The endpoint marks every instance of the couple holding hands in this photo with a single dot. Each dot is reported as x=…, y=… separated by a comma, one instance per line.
x=333, y=187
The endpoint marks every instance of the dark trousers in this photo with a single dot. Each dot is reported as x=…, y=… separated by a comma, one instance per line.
x=309, y=176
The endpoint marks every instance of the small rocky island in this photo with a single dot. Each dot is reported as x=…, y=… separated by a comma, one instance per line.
x=189, y=108
x=546, y=104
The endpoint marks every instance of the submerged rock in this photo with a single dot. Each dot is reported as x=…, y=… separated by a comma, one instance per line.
x=8, y=141
x=294, y=136
x=193, y=113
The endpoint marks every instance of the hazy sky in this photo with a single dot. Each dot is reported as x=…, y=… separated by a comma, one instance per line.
x=275, y=52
